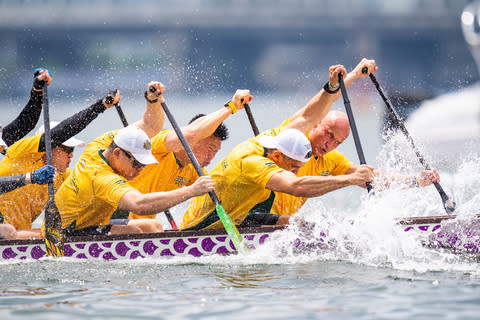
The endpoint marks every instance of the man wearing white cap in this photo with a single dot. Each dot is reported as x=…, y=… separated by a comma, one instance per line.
x=245, y=178
x=22, y=206
x=325, y=137
x=204, y=134
x=98, y=186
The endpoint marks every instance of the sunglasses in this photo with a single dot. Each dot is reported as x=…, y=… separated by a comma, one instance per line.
x=66, y=149
x=135, y=163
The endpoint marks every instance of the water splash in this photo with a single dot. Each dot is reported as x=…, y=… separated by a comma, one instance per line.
x=368, y=233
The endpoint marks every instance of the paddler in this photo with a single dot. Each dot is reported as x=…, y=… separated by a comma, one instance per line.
x=99, y=183
x=325, y=137
x=16, y=130
x=204, y=134
x=245, y=178
x=22, y=206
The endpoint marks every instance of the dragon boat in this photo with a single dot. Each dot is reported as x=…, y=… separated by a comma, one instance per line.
x=460, y=235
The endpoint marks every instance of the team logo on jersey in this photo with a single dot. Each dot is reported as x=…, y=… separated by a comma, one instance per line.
x=270, y=163
x=121, y=181
x=73, y=183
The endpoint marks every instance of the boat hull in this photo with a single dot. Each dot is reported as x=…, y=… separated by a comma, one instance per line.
x=152, y=245
x=457, y=235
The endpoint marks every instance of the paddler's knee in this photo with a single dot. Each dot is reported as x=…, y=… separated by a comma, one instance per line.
x=7, y=232
x=147, y=225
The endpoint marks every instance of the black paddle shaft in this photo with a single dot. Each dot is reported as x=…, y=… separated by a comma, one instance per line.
x=353, y=126
x=48, y=136
x=187, y=148
x=121, y=115
x=251, y=119
x=448, y=204
x=125, y=124
x=54, y=242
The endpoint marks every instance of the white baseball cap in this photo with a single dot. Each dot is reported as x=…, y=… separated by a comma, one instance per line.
x=135, y=141
x=291, y=142
x=72, y=142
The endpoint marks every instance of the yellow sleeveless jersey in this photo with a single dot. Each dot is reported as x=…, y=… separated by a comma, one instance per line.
x=166, y=175
x=20, y=207
x=91, y=194
x=240, y=183
x=332, y=163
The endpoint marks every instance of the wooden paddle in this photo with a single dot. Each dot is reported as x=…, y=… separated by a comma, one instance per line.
x=125, y=124
x=448, y=204
x=353, y=126
x=54, y=242
x=226, y=220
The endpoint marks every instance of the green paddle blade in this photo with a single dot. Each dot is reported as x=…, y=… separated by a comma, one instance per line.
x=232, y=230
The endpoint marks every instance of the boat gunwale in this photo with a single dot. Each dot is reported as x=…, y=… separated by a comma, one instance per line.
x=142, y=236
x=202, y=233
x=430, y=219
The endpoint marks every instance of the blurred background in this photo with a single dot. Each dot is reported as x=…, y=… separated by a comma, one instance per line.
x=199, y=47
x=204, y=50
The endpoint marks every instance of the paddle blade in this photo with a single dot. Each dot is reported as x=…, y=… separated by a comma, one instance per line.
x=449, y=206
x=53, y=231
x=231, y=229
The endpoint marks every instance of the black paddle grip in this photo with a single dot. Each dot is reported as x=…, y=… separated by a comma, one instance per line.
x=111, y=96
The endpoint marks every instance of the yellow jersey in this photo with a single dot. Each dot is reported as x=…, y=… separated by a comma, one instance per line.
x=332, y=163
x=20, y=207
x=240, y=184
x=168, y=174
x=92, y=192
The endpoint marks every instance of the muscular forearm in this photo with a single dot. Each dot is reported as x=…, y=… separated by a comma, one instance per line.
x=145, y=204
x=313, y=112
x=153, y=119
x=26, y=120
x=308, y=186
x=317, y=108
x=199, y=129
x=317, y=186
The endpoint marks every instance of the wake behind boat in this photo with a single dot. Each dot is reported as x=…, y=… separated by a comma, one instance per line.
x=458, y=235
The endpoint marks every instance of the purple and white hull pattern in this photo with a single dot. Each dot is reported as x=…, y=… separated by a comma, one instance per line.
x=153, y=245
x=457, y=235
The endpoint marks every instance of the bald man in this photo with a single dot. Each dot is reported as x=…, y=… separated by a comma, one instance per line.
x=325, y=137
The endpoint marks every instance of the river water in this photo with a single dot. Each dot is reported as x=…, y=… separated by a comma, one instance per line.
x=373, y=271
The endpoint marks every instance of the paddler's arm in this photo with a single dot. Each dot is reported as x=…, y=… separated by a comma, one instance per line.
x=79, y=121
x=314, y=186
x=153, y=118
x=204, y=127
x=150, y=203
x=28, y=118
x=317, y=108
x=423, y=179
x=44, y=175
